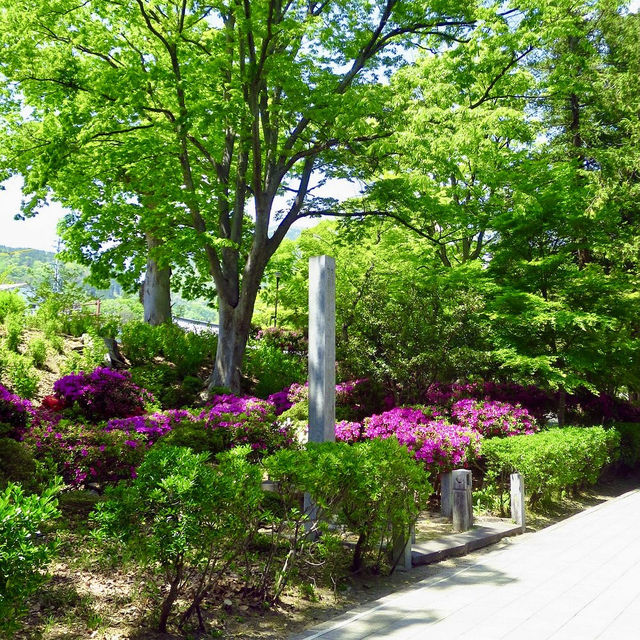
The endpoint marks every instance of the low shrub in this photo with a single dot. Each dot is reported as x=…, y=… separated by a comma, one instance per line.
x=551, y=461
x=188, y=351
x=23, y=554
x=199, y=437
x=11, y=303
x=187, y=518
x=102, y=394
x=372, y=488
x=273, y=369
x=21, y=375
x=629, y=443
x=84, y=454
x=15, y=325
x=37, y=351
x=16, y=414
x=250, y=421
x=140, y=342
x=157, y=378
x=151, y=426
x=439, y=445
x=17, y=465
x=287, y=340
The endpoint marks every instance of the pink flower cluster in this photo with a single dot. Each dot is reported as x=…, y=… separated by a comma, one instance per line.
x=151, y=426
x=493, y=419
x=438, y=444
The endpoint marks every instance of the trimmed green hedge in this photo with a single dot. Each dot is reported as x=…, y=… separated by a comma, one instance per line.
x=629, y=443
x=551, y=461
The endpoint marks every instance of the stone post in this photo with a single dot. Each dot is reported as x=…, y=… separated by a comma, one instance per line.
x=517, y=500
x=462, y=503
x=401, y=550
x=322, y=358
x=322, y=349
x=446, y=495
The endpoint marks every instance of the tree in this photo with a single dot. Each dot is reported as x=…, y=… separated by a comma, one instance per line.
x=226, y=106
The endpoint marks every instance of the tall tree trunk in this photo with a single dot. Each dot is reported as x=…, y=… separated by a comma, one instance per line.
x=234, y=326
x=156, y=291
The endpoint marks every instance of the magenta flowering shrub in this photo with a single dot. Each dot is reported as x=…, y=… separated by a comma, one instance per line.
x=288, y=340
x=438, y=444
x=536, y=401
x=348, y=431
x=280, y=401
x=355, y=399
x=102, y=394
x=298, y=393
x=493, y=419
x=83, y=453
x=152, y=426
x=250, y=421
x=15, y=412
x=442, y=446
x=585, y=407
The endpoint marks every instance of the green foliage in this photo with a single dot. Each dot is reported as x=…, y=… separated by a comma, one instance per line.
x=299, y=412
x=21, y=375
x=23, y=557
x=371, y=488
x=186, y=350
x=37, y=351
x=17, y=465
x=272, y=369
x=185, y=515
x=199, y=437
x=140, y=342
x=551, y=461
x=93, y=354
x=158, y=378
x=15, y=326
x=629, y=443
x=10, y=303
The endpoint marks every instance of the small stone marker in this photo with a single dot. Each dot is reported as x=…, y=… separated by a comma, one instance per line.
x=462, y=504
x=446, y=495
x=322, y=349
x=401, y=551
x=517, y=500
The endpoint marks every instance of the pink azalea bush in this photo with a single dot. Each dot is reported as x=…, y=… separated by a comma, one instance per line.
x=152, y=426
x=438, y=444
x=102, y=394
x=87, y=453
x=250, y=421
x=16, y=413
x=493, y=419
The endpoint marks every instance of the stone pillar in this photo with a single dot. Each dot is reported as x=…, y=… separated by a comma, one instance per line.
x=401, y=550
x=462, y=503
x=446, y=495
x=517, y=500
x=322, y=349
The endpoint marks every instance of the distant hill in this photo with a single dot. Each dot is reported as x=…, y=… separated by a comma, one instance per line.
x=19, y=265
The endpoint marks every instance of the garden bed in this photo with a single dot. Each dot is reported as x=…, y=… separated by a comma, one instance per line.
x=89, y=598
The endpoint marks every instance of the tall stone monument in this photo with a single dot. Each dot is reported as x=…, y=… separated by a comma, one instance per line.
x=322, y=348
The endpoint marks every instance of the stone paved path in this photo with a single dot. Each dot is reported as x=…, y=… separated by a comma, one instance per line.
x=576, y=580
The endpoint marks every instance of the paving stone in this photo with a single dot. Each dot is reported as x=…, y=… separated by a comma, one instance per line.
x=577, y=579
